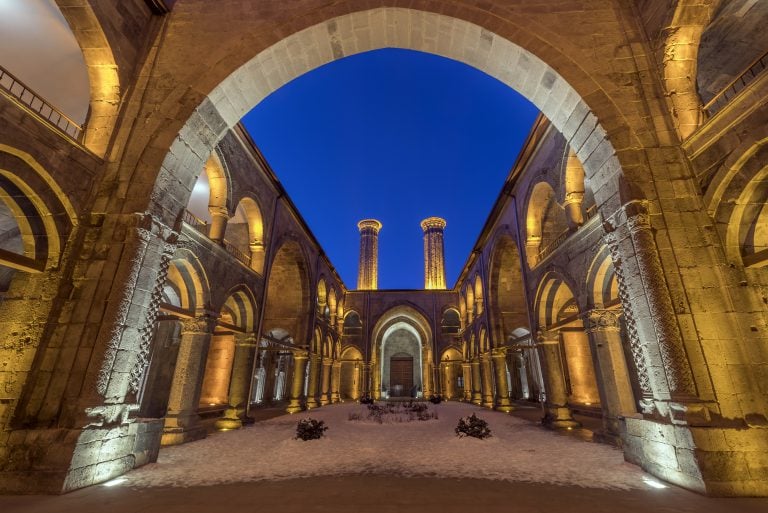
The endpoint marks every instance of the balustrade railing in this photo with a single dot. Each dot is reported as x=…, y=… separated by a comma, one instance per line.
x=737, y=85
x=38, y=106
x=556, y=243
x=202, y=227
x=238, y=253
x=195, y=222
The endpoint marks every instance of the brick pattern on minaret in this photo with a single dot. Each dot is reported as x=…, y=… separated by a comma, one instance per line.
x=434, y=259
x=368, y=266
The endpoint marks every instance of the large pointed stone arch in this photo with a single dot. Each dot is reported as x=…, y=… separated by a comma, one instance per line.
x=410, y=319
x=390, y=27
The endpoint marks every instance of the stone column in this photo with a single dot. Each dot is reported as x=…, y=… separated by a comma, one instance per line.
x=477, y=397
x=558, y=413
x=447, y=389
x=182, y=423
x=657, y=344
x=617, y=399
x=271, y=362
x=314, y=376
x=297, y=381
x=467, y=375
x=532, y=247
x=374, y=379
x=427, y=378
x=325, y=389
x=239, y=385
x=487, y=371
x=219, y=218
x=502, y=386
x=257, y=251
x=336, y=382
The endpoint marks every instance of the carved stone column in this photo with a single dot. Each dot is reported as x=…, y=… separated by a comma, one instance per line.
x=502, y=386
x=573, y=211
x=336, y=382
x=297, y=382
x=182, y=422
x=636, y=259
x=374, y=378
x=466, y=369
x=427, y=379
x=258, y=253
x=558, y=413
x=219, y=218
x=477, y=386
x=487, y=377
x=325, y=389
x=617, y=398
x=532, y=248
x=239, y=385
x=447, y=389
x=314, y=376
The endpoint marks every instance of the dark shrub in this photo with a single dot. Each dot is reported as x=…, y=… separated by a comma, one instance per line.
x=366, y=400
x=473, y=426
x=310, y=429
x=435, y=399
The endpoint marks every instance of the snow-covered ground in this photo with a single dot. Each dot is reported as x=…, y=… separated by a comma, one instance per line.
x=517, y=451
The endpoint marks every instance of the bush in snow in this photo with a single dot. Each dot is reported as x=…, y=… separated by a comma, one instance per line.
x=473, y=426
x=366, y=400
x=310, y=429
x=435, y=399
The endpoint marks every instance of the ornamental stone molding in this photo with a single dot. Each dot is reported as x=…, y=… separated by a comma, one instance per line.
x=600, y=320
x=150, y=241
x=201, y=325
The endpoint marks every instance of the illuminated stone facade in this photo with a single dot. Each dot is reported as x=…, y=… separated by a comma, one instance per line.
x=629, y=234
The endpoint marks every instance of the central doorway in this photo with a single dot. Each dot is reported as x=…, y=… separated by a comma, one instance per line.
x=401, y=375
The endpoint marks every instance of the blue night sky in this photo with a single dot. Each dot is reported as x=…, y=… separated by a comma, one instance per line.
x=398, y=136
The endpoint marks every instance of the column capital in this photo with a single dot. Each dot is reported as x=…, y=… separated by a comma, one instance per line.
x=548, y=337
x=602, y=319
x=300, y=354
x=201, y=325
x=217, y=211
x=499, y=352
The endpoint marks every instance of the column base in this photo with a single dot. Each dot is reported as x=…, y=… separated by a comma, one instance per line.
x=477, y=399
x=312, y=403
x=176, y=436
x=559, y=418
x=324, y=400
x=294, y=406
x=504, y=406
x=230, y=420
x=182, y=428
x=335, y=398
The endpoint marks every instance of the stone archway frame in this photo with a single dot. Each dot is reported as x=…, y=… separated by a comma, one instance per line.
x=396, y=325
x=103, y=73
x=378, y=28
x=396, y=317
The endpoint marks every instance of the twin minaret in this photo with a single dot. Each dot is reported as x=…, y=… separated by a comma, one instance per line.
x=434, y=259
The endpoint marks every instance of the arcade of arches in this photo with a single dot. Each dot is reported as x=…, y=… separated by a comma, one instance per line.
x=620, y=274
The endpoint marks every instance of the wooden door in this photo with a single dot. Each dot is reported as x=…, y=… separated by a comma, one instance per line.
x=401, y=375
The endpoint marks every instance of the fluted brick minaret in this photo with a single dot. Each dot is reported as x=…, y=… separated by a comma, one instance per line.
x=368, y=267
x=434, y=259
